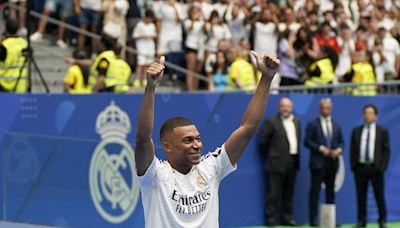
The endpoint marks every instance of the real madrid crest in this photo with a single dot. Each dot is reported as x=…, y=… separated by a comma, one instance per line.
x=112, y=179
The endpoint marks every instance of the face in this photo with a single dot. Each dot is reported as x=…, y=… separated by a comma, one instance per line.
x=183, y=147
x=285, y=107
x=369, y=115
x=325, y=108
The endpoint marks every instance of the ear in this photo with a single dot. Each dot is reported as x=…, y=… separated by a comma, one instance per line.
x=166, y=146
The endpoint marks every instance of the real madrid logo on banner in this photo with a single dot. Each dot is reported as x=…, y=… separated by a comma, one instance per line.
x=113, y=183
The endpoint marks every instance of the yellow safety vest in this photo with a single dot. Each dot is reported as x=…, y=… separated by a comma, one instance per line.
x=74, y=77
x=327, y=73
x=111, y=78
x=122, y=72
x=10, y=68
x=364, y=73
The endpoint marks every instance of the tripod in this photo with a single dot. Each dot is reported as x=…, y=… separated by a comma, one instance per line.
x=29, y=58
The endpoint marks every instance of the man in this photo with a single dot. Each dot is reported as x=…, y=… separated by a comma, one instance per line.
x=325, y=140
x=280, y=143
x=369, y=154
x=12, y=57
x=108, y=72
x=183, y=191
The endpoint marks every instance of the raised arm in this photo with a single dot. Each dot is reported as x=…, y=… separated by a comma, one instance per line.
x=237, y=142
x=144, y=151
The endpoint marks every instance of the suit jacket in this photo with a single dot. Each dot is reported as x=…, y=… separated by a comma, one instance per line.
x=382, y=148
x=315, y=138
x=274, y=144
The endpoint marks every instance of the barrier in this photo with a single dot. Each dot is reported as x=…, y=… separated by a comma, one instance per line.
x=64, y=164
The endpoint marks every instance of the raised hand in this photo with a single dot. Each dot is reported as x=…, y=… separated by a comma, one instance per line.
x=155, y=71
x=268, y=65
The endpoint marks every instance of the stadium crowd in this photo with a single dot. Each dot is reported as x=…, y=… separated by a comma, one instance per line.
x=319, y=42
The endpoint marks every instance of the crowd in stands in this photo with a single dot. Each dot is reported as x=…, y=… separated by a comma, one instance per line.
x=319, y=42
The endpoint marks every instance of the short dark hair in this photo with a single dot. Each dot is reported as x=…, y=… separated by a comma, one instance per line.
x=11, y=26
x=108, y=41
x=371, y=106
x=172, y=123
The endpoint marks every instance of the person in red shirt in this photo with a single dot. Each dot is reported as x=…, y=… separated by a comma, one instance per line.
x=327, y=37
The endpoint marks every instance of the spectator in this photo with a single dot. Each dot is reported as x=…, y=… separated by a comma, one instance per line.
x=19, y=15
x=194, y=28
x=236, y=17
x=391, y=55
x=327, y=37
x=216, y=30
x=265, y=30
x=242, y=75
x=13, y=77
x=347, y=46
x=76, y=81
x=289, y=69
x=205, y=6
x=114, y=22
x=216, y=67
x=88, y=12
x=288, y=21
x=170, y=16
x=51, y=6
x=145, y=35
x=306, y=46
x=324, y=139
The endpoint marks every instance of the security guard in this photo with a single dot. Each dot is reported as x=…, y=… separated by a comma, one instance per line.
x=12, y=60
x=322, y=71
x=104, y=72
x=361, y=72
x=76, y=81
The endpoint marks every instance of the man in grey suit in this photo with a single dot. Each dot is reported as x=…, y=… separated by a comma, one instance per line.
x=324, y=139
x=279, y=142
x=369, y=154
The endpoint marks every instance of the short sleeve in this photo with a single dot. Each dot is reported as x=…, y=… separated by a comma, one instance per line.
x=148, y=177
x=220, y=159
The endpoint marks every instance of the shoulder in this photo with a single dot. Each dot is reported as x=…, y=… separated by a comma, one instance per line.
x=381, y=128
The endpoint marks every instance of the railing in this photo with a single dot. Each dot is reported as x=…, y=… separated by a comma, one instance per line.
x=387, y=87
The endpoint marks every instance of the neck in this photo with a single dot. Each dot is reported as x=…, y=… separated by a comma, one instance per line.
x=184, y=169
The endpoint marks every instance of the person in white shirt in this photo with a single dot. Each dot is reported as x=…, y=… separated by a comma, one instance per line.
x=183, y=190
x=216, y=30
x=279, y=143
x=144, y=35
x=194, y=42
x=266, y=32
x=170, y=18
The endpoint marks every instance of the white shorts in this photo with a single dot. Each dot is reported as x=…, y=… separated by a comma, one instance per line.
x=145, y=59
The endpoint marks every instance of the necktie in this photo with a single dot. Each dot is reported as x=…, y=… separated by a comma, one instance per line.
x=367, y=158
x=328, y=133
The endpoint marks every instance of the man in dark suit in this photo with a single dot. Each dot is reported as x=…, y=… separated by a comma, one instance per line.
x=369, y=154
x=279, y=142
x=325, y=140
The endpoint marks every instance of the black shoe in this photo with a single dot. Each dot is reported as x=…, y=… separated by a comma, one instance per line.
x=290, y=222
x=382, y=225
x=361, y=225
x=271, y=223
x=314, y=224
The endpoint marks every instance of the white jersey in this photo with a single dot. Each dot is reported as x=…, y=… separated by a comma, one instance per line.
x=172, y=199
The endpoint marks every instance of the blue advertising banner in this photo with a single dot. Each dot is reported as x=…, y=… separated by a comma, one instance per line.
x=69, y=160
